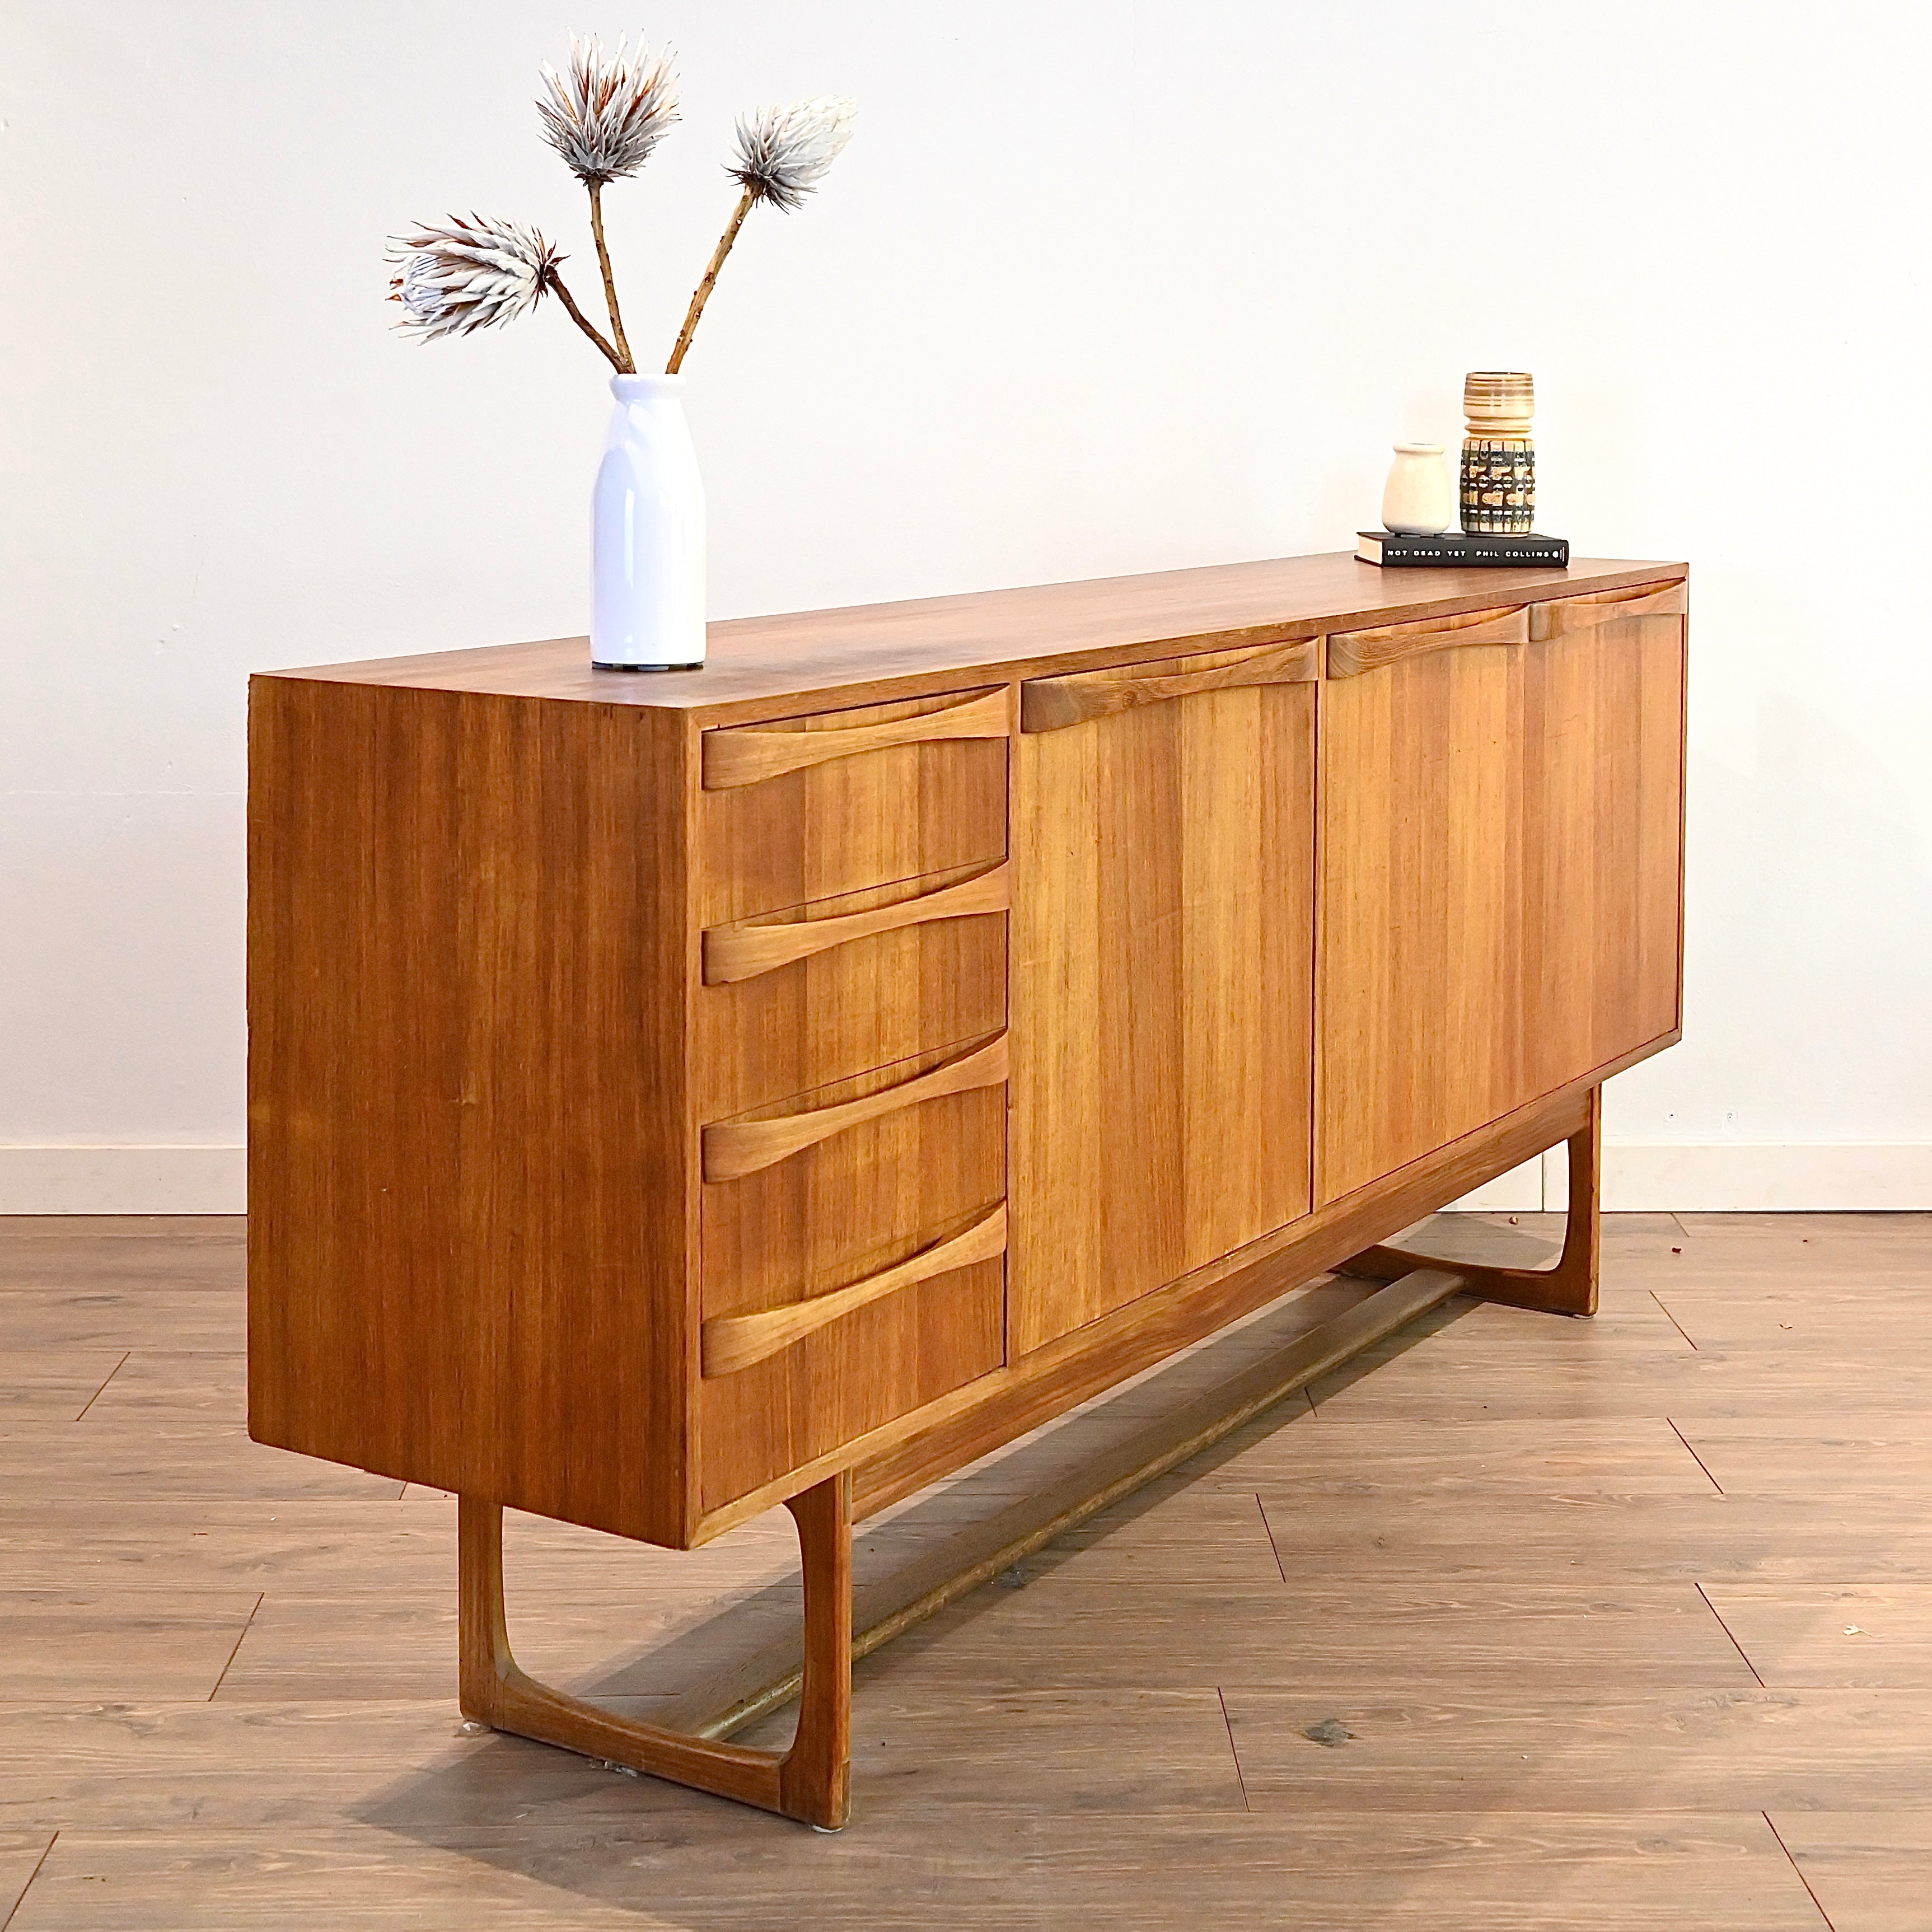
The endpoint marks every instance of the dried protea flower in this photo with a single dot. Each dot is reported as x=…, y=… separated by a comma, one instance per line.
x=607, y=114
x=469, y=275
x=604, y=117
x=783, y=152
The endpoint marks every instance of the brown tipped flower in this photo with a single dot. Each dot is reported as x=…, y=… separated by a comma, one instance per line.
x=783, y=152
x=609, y=111
x=469, y=275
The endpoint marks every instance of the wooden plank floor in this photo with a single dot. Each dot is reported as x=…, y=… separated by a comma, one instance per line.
x=1520, y=1622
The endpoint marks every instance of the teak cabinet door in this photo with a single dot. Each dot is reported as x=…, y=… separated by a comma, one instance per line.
x=1162, y=902
x=1501, y=836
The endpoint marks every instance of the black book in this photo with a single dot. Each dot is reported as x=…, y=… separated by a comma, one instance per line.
x=1454, y=550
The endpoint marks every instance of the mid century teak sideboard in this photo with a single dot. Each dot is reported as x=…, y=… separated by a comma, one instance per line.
x=671, y=1097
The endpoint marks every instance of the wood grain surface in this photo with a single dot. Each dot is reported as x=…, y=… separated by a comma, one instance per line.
x=1352, y=652
x=910, y=967
x=809, y=1780
x=763, y=668
x=904, y=1173
x=1052, y=703
x=1500, y=884
x=1163, y=862
x=1449, y=1871
x=468, y=1151
x=736, y=1147
x=754, y=946
x=1476, y=1694
x=733, y=1342
x=854, y=823
x=753, y=753
x=903, y=1456
x=1564, y=617
x=581, y=1019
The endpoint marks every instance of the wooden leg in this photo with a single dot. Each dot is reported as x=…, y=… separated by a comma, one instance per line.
x=811, y=1781
x=1569, y=1288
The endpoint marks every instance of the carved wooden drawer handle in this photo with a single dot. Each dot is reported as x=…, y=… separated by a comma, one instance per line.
x=736, y=1147
x=732, y=952
x=1352, y=652
x=733, y=1342
x=1570, y=615
x=1052, y=703
x=745, y=754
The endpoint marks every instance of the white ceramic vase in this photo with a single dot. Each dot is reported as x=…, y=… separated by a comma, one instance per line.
x=1418, y=500
x=647, y=534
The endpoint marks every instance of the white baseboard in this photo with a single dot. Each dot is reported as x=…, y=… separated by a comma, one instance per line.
x=1760, y=1177
x=1726, y=1177
x=1734, y=1177
x=123, y=1179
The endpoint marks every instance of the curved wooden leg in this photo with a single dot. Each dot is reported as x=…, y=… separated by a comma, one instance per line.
x=1569, y=1288
x=810, y=1782
x=814, y=1775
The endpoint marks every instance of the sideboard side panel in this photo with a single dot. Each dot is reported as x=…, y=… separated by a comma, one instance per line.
x=469, y=1167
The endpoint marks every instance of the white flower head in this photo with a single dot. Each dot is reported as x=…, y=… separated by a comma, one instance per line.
x=468, y=275
x=607, y=114
x=783, y=152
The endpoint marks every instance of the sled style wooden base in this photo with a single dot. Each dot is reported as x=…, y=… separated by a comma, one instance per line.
x=810, y=1782
x=1570, y=1287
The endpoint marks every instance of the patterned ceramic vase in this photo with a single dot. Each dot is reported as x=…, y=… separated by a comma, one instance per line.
x=1499, y=487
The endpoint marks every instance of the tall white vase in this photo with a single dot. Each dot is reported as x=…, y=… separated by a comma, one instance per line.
x=647, y=534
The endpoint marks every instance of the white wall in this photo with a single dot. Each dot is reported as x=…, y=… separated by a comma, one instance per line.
x=1097, y=288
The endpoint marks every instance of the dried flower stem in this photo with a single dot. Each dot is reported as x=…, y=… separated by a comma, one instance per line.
x=702, y=293
x=554, y=282
x=625, y=366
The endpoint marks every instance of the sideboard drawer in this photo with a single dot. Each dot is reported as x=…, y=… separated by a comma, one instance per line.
x=905, y=1185
x=794, y=1000
x=807, y=809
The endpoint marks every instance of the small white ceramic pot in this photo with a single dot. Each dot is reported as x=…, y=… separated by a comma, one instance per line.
x=647, y=534
x=1419, y=500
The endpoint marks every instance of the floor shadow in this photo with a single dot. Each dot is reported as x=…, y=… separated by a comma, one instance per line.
x=565, y=1821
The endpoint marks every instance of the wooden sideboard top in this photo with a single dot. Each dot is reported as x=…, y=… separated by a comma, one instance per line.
x=876, y=652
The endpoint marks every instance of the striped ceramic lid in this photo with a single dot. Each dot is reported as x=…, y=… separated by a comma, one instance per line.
x=1506, y=392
